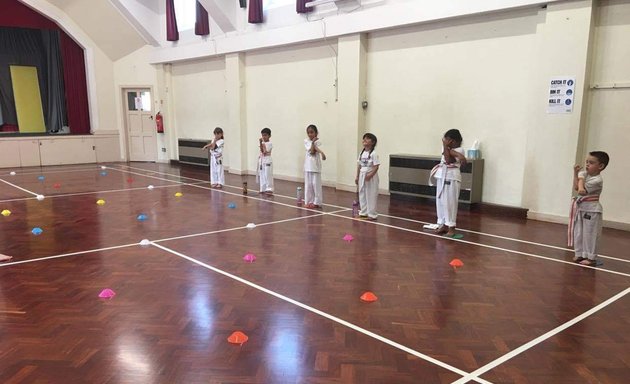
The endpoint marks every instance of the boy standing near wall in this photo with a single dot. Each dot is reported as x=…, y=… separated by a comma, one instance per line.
x=585, y=220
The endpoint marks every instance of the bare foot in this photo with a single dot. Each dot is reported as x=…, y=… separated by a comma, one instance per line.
x=442, y=229
x=5, y=257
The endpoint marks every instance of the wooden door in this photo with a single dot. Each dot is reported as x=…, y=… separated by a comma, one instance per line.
x=141, y=134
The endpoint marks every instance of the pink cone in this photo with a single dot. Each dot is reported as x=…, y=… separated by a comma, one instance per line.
x=249, y=257
x=348, y=238
x=106, y=294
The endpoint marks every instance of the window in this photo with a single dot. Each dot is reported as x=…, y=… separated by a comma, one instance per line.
x=185, y=12
x=268, y=4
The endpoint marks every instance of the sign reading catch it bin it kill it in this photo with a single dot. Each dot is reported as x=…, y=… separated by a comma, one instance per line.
x=560, y=97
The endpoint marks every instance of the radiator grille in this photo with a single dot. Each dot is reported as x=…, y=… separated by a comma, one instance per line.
x=191, y=152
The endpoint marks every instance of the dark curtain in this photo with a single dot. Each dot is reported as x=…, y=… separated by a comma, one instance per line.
x=243, y=3
x=300, y=6
x=255, y=12
x=56, y=116
x=202, y=25
x=39, y=49
x=75, y=85
x=172, y=34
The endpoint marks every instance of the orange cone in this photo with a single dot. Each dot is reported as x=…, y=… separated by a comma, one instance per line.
x=369, y=297
x=455, y=263
x=238, y=337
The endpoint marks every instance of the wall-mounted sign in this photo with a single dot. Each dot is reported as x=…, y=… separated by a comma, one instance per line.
x=560, y=96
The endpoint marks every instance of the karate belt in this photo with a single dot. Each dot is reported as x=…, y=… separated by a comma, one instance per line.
x=573, y=214
x=444, y=167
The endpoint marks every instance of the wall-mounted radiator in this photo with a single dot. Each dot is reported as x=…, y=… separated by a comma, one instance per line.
x=191, y=152
x=409, y=175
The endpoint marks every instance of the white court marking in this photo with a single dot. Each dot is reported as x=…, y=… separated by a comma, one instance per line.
x=51, y=171
x=101, y=192
x=9, y=263
x=540, y=339
x=505, y=238
x=442, y=237
x=18, y=187
x=466, y=376
x=420, y=222
x=318, y=312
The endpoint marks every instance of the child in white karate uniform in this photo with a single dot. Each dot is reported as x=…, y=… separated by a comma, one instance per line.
x=313, y=169
x=585, y=221
x=217, y=177
x=448, y=179
x=367, y=178
x=264, y=176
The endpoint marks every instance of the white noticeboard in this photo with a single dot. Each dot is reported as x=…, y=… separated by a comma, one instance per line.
x=561, y=93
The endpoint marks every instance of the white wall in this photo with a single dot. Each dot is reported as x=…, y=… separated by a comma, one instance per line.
x=288, y=89
x=200, y=100
x=474, y=75
x=553, y=139
x=609, y=120
x=486, y=75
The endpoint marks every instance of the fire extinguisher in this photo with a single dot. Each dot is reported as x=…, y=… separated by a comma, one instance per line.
x=159, y=122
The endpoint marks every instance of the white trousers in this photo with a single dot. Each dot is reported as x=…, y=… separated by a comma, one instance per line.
x=446, y=200
x=586, y=233
x=368, y=195
x=313, y=188
x=216, y=171
x=265, y=177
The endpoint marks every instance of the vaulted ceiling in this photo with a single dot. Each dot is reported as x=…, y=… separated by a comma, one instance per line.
x=105, y=25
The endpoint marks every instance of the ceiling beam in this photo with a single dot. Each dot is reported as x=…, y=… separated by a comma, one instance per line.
x=144, y=20
x=224, y=18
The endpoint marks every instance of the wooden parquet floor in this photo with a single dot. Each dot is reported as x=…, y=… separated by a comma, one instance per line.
x=518, y=311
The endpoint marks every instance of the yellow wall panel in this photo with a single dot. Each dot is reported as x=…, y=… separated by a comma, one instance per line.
x=28, y=100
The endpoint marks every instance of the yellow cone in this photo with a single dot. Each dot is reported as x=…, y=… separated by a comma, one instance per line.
x=179, y=194
x=6, y=213
x=100, y=202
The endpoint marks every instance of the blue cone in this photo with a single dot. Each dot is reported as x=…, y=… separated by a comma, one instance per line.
x=40, y=178
x=142, y=217
x=103, y=173
x=37, y=231
x=231, y=205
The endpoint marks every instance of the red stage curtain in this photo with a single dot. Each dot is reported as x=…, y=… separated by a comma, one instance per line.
x=76, y=86
x=15, y=14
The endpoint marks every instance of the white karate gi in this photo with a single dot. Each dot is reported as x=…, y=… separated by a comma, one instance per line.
x=312, y=174
x=368, y=190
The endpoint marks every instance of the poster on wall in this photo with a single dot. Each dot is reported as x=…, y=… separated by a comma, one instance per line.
x=561, y=92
